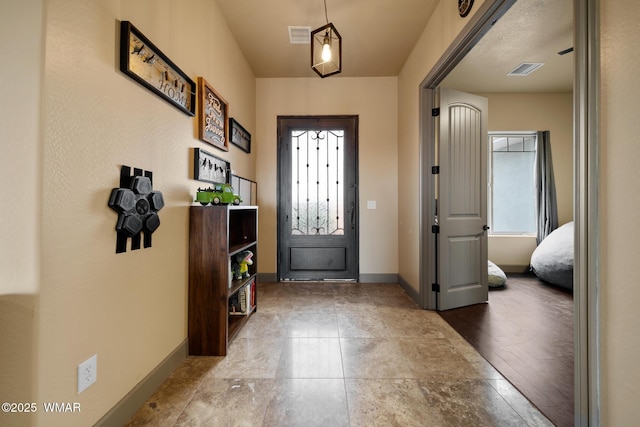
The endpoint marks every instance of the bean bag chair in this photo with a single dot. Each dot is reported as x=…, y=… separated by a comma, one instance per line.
x=496, y=276
x=552, y=260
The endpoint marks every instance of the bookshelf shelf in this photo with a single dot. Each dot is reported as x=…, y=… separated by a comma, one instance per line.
x=216, y=234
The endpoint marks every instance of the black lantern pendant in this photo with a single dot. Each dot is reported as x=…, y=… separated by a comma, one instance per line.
x=326, y=49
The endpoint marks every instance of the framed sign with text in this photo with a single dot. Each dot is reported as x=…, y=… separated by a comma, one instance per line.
x=145, y=63
x=213, y=116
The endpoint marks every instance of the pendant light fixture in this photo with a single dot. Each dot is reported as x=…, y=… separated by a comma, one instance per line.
x=326, y=49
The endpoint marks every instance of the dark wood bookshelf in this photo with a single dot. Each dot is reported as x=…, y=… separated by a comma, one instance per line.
x=216, y=234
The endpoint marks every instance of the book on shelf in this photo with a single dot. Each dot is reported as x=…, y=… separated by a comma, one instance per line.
x=242, y=302
x=253, y=294
x=237, y=306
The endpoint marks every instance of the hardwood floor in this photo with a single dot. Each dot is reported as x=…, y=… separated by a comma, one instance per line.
x=526, y=333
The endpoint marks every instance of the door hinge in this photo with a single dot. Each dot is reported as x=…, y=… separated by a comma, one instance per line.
x=435, y=229
x=435, y=170
x=435, y=287
x=435, y=112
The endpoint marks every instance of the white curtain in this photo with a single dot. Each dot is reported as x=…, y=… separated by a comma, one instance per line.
x=546, y=202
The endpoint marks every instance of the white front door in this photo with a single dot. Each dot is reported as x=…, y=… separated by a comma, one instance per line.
x=462, y=200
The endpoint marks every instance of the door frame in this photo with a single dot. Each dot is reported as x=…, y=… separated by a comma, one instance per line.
x=586, y=216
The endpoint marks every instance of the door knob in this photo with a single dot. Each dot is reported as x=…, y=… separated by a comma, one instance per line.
x=485, y=227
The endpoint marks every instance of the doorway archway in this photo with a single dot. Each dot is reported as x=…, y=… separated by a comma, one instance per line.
x=586, y=335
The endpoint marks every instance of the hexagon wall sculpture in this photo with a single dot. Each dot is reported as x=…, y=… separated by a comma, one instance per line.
x=137, y=206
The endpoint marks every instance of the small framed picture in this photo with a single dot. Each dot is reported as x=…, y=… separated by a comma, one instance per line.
x=239, y=136
x=209, y=168
x=213, y=116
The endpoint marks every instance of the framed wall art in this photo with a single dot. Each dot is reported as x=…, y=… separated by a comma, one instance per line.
x=209, y=168
x=213, y=115
x=145, y=63
x=239, y=136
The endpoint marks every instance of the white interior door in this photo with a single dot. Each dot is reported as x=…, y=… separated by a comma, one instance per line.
x=462, y=200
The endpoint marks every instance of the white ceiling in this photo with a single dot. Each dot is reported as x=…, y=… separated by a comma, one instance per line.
x=530, y=31
x=378, y=36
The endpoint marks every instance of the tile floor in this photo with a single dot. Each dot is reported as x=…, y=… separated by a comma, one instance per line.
x=339, y=354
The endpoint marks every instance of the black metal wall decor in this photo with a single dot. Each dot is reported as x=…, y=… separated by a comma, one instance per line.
x=137, y=206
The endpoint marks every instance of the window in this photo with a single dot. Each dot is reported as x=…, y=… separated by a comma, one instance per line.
x=512, y=202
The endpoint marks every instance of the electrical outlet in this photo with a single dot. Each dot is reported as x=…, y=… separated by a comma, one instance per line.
x=87, y=373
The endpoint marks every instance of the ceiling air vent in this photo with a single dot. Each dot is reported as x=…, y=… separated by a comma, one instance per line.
x=299, y=35
x=525, y=69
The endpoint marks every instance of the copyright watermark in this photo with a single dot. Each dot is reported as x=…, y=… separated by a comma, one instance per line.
x=27, y=407
x=19, y=407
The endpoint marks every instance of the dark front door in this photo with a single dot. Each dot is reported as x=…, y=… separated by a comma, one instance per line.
x=317, y=198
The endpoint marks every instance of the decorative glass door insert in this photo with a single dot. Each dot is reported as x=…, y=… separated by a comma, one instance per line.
x=317, y=167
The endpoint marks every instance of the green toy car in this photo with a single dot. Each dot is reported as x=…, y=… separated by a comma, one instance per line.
x=219, y=193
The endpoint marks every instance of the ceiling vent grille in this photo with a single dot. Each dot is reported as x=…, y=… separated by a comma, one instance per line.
x=525, y=69
x=299, y=35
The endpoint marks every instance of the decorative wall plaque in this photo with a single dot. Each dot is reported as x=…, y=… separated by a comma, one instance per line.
x=145, y=63
x=213, y=115
x=209, y=168
x=239, y=136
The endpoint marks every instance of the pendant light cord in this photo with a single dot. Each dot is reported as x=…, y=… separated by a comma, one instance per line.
x=325, y=11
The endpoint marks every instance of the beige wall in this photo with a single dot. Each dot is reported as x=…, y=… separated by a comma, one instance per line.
x=373, y=100
x=20, y=160
x=532, y=112
x=20, y=93
x=511, y=253
x=619, y=203
x=130, y=308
